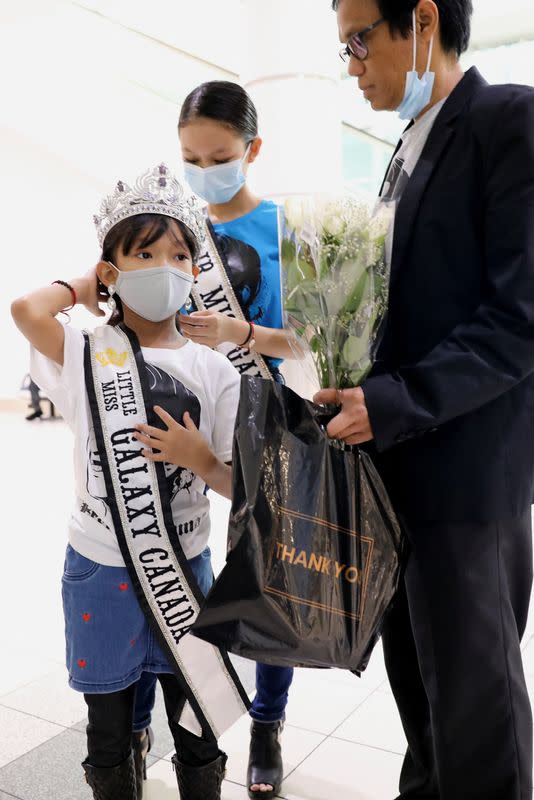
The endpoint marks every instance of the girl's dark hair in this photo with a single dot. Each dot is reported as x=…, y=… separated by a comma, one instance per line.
x=223, y=102
x=141, y=230
x=454, y=20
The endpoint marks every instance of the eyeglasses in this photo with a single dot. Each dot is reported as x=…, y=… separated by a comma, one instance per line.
x=356, y=46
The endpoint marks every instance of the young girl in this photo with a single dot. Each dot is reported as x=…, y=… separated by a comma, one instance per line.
x=237, y=309
x=238, y=301
x=137, y=563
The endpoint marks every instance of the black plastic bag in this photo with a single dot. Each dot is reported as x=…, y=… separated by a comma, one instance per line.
x=315, y=548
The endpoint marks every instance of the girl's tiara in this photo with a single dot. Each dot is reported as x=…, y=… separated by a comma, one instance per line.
x=155, y=192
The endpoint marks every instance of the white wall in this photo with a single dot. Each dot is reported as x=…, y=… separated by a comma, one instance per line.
x=84, y=102
x=90, y=93
x=290, y=67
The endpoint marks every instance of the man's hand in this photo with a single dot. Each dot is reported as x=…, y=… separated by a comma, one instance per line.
x=352, y=424
x=182, y=445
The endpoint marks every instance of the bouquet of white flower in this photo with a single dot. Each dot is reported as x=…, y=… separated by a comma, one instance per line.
x=335, y=283
x=315, y=548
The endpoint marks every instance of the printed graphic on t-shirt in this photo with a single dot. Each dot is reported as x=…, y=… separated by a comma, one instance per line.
x=244, y=271
x=243, y=267
x=95, y=485
x=396, y=181
x=407, y=155
x=169, y=393
x=175, y=399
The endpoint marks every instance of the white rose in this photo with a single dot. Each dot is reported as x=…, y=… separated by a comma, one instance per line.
x=333, y=224
x=294, y=212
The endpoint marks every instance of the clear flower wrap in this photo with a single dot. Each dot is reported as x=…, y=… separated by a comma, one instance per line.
x=335, y=279
x=315, y=550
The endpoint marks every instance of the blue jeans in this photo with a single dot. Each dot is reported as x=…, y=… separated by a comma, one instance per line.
x=272, y=687
x=109, y=643
x=269, y=705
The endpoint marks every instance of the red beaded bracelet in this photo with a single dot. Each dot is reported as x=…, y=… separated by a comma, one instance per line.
x=72, y=291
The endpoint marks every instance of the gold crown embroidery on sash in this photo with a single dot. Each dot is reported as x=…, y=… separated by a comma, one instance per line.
x=110, y=356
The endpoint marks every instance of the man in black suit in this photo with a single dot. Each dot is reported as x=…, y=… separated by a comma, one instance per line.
x=449, y=407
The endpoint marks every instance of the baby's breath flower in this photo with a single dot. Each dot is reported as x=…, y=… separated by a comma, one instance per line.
x=336, y=282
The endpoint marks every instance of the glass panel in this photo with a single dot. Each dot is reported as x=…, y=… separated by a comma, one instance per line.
x=364, y=162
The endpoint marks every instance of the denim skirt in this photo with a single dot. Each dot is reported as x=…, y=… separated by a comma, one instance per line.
x=109, y=642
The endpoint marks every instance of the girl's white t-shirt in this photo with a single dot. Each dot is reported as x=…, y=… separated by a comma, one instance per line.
x=193, y=378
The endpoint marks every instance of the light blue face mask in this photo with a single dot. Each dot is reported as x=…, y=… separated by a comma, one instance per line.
x=218, y=184
x=418, y=92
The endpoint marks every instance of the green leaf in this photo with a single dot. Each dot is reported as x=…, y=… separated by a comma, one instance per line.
x=358, y=376
x=360, y=291
x=355, y=349
x=306, y=301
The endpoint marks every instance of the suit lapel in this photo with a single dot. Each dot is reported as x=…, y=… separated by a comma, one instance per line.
x=410, y=201
x=440, y=135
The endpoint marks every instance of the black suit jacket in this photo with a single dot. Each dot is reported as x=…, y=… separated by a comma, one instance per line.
x=451, y=397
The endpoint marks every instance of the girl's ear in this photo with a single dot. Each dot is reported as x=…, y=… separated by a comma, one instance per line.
x=196, y=271
x=254, y=151
x=105, y=273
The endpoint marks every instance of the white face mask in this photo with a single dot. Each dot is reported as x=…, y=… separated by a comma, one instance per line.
x=156, y=293
x=218, y=184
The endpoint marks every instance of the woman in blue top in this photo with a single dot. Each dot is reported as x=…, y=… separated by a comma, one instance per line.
x=238, y=310
x=239, y=282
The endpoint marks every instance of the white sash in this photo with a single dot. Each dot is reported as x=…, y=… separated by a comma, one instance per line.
x=119, y=397
x=213, y=291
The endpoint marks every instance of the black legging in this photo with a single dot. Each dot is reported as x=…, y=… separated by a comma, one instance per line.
x=109, y=732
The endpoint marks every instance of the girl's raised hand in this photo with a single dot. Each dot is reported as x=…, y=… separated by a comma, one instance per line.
x=88, y=292
x=182, y=445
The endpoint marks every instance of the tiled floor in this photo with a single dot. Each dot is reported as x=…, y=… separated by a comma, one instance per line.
x=343, y=738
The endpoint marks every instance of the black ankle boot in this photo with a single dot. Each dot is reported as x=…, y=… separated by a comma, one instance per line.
x=200, y=783
x=141, y=746
x=112, y=783
x=265, y=759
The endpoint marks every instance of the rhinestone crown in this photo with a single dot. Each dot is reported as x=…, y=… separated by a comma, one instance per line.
x=157, y=191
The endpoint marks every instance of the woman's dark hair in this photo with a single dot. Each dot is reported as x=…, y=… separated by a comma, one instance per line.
x=223, y=102
x=141, y=230
x=454, y=20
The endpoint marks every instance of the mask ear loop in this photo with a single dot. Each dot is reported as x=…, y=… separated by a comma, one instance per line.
x=430, y=51
x=247, y=151
x=414, y=41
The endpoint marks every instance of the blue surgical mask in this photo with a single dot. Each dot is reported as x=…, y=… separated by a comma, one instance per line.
x=418, y=92
x=218, y=184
